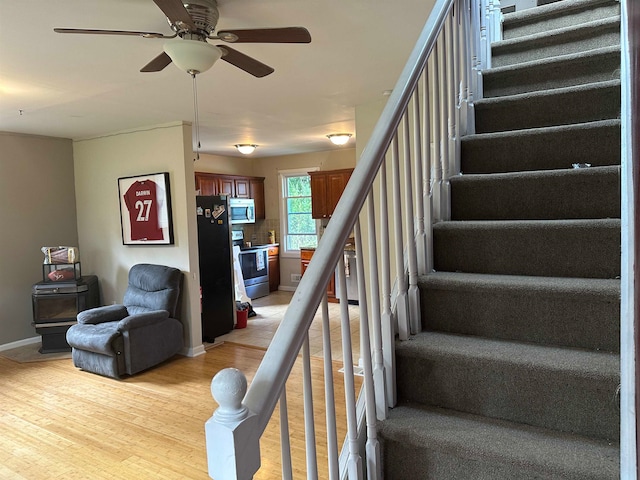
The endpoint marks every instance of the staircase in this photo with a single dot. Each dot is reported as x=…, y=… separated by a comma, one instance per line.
x=516, y=370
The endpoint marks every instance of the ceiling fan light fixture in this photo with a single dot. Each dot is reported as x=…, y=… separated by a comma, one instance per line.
x=246, y=148
x=339, y=138
x=192, y=56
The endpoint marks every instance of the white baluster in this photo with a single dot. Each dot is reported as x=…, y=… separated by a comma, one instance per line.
x=329, y=395
x=419, y=186
x=309, y=421
x=496, y=20
x=354, y=462
x=372, y=446
x=454, y=106
x=463, y=49
x=413, y=293
x=443, y=96
x=437, y=154
x=379, y=374
x=428, y=199
x=402, y=301
x=285, y=442
x=485, y=40
x=233, y=449
x=386, y=320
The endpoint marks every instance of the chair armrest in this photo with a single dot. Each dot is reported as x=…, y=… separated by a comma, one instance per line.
x=142, y=319
x=109, y=313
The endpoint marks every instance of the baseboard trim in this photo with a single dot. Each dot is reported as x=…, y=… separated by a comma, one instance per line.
x=194, y=351
x=19, y=343
x=286, y=288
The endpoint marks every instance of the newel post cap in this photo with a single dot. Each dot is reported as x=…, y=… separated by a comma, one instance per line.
x=233, y=448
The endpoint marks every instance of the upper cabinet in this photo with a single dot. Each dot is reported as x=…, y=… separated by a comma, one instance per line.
x=326, y=189
x=235, y=186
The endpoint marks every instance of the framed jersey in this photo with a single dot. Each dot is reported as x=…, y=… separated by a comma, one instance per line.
x=145, y=209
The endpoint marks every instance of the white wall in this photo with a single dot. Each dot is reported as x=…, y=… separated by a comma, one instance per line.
x=99, y=162
x=37, y=208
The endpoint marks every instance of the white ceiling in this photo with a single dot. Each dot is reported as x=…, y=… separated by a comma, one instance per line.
x=79, y=86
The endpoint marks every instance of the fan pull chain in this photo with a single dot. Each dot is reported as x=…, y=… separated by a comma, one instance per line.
x=196, y=118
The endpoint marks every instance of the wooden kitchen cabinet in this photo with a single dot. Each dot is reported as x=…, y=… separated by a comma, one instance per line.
x=242, y=189
x=256, y=191
x=208, y=185
x=274, y=267
x=305, y=258
x=326, y=189
x=236, y=186
x=226, y=186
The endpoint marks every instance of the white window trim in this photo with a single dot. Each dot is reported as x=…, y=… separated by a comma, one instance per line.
x=283, y=211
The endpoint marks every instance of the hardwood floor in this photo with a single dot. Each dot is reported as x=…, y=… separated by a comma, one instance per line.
x=57, y=422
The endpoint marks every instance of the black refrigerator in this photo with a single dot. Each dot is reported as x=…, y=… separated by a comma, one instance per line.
x=216, y=266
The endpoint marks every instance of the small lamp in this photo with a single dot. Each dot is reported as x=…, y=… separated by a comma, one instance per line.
x=339, y=138
x=246, y=148
x=192, y=56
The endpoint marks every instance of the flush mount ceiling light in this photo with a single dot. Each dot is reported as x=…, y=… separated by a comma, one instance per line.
x=339, y=138
x=192, y=56
x=246, y=148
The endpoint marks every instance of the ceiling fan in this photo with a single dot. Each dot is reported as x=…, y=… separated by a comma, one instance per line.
x=193, y=23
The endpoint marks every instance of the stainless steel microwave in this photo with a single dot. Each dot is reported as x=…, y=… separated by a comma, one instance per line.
x=242, y=210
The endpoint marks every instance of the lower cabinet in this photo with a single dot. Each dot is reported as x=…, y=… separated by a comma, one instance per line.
x=305, y=258
x=274, y=268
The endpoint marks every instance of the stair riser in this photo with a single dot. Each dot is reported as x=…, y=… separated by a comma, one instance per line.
x=599, y=67
x=574, y=194
x=448, y=445
x=564, y=318
x=598, y=145
x=552, y=251
x=403, y=462
x=499, y=389
x=587, y=39
x=514, y=28
x=574, y=106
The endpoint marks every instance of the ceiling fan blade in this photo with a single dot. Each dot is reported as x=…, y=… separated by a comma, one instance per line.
x=245, y=62
x=175, y=11
x=109, y=32
x=157, y=63
x=267, y=35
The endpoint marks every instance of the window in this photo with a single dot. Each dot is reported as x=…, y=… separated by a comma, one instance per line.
x=298, y=227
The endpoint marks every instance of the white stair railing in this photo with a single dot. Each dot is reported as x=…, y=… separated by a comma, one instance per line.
x=418, y=139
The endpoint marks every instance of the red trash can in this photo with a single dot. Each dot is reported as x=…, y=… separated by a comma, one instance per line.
x=241, y=318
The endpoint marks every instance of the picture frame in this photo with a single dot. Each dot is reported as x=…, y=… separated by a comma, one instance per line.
x=145, y=209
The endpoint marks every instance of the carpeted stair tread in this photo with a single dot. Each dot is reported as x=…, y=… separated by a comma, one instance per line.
x=593, y=66
x=570, y=312
x=561, y=106
x=537, y=195
x=563, y=248
x=562, y=41
x=557, y=15
x=596, y=143
x=569, y=390
x=434, y=444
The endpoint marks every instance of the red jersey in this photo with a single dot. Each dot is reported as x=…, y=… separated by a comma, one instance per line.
x=144, y=200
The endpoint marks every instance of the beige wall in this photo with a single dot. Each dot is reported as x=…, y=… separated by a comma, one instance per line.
x=99, y=162
x=37, y=208
x=229, y=165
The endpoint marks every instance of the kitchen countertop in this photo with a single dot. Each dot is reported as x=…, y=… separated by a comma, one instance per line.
x=258, y=247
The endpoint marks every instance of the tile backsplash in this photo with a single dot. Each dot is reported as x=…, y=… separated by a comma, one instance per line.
x=258, y=233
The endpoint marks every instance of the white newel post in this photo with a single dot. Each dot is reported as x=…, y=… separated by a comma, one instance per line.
x=233, y=449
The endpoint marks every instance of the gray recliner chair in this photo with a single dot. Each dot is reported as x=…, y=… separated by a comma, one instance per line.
x=125, y=339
